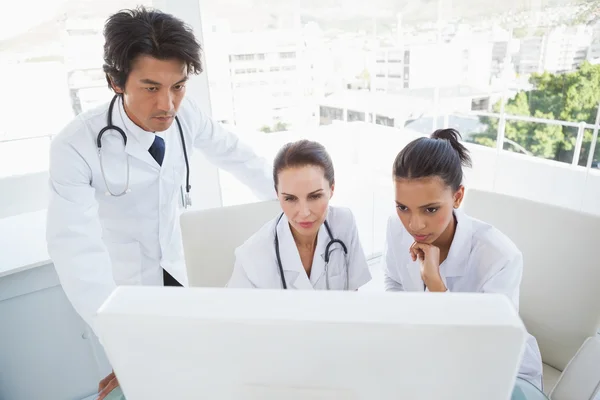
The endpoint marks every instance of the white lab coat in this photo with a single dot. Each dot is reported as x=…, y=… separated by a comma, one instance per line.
x=256, y=262
x=481, y=259
x=98, y=241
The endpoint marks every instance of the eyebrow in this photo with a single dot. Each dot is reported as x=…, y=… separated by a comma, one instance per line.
x=151, y=82
x=424, y=206
x=315, y=192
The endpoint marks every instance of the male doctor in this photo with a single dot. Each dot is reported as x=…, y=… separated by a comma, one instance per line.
x=114, y=203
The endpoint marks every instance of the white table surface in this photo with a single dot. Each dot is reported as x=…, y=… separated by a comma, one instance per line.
x=23, y=242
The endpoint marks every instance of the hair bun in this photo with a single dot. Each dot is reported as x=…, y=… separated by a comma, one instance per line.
x=454, y=137
x=448, y=134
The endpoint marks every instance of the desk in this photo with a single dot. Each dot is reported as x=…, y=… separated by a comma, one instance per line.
x=46, y=350
x=523, y=391
x=23, y=242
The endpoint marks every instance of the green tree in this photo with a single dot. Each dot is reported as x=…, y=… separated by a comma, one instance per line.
x=572, y=96
x=265, y=129
x=278, y=127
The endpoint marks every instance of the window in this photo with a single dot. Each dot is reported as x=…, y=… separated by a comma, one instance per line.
x=51, y=58
x=329, y=114
x=287, y=54
x=355, y=116
x=478, y=71
x=244, y=57
x=383, y=120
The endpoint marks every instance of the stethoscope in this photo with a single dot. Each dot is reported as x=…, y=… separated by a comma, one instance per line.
x=186, y=200
x=327, y=254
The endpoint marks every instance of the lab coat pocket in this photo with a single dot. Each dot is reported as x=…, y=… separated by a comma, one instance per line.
x=126, y=261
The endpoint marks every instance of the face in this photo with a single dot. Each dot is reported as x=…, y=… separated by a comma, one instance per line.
x=425, y=207
x=153, y=92
x=304, y=195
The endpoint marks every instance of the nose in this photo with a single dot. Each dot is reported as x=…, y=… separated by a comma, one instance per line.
x=304, y=209
x=165, y=102
x=416, y=224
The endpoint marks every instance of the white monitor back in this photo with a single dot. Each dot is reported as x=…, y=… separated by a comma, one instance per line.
x=226, y=344
x=211, y=236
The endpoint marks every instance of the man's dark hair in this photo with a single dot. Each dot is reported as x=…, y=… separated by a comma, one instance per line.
x=129, y=34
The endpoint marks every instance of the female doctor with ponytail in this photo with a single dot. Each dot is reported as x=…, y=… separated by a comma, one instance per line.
x=431, y=245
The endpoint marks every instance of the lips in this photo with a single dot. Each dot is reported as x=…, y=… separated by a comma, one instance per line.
x=306, y=225
x=421, y=238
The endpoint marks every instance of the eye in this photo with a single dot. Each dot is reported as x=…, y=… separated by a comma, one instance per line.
x=431, y=210
x=401, y=208
x=315, y=196
x=289, y=198
x=179, y=87
x=152, y=89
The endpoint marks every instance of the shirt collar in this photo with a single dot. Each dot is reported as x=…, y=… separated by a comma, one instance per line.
x=144, y=138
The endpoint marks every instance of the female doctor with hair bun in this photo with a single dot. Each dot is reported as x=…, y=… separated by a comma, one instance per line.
x=311, y=245
x=431, y=245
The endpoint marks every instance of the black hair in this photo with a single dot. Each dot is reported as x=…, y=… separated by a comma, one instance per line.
x=132, y=33
x=439, y=155
x=300, y=154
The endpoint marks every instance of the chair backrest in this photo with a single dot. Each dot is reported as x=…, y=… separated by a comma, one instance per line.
x=560, y=290
x=581, y=379
x=211, y=236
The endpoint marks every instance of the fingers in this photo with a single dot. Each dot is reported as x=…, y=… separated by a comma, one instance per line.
x=418, y=250
x=112, y=384
x=105, y=381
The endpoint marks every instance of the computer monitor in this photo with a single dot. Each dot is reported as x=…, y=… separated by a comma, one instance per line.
x=226, y=344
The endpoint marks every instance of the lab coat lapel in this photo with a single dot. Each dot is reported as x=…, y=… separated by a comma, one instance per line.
x=413, y=268
x=134, y=146
x=458, y=256
x=290, y=258
x=317, y=271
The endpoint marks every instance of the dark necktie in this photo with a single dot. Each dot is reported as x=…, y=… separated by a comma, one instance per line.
x=157, y=150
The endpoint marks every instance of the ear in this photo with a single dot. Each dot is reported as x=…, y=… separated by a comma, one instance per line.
x=331, y=190
x=117, y=89
x=459, y=195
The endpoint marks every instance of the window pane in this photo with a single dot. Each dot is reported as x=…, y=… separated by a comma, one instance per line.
x=552, y=142
x=372, y=77
x=51, y=58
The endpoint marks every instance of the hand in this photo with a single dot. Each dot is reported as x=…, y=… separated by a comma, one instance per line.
x=106, y=385
x=429, y=257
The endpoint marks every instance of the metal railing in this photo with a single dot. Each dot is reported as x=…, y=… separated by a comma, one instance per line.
x=581, y=127
x=500, y=138
x=25, y=138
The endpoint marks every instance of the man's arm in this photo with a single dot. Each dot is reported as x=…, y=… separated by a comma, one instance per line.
x=74, y=234
x=227, y=151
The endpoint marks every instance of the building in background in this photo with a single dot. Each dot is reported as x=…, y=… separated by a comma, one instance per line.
x=594, y=50
x=419, y=64
x=260, y=80
x=566, y=48
x=404, y=106
x=562, y=49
